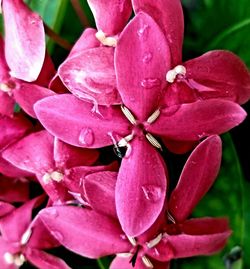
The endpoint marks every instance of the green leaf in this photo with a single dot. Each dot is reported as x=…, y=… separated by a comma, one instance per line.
x=224, y=199
x=213, y=24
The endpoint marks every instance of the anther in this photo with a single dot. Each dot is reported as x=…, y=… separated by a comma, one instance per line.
x=171, y=218
x=172, y=74
x=25, y=237
x=155, y=241
x=180, y=70
x=147, y=262
x=19, y=260
x=128, y=114
x=4, y=87
x=154, y=116
x=124, y=141
x=132, y=240
x=56, y=176
x=9, y=258
x=153, y=141
x=124, y=255
x=106, y=41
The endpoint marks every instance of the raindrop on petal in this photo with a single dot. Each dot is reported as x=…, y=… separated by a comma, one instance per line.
x=149, y=83
x=152, y=193
x=143, y=31
x=86, y=137
x=147, y=57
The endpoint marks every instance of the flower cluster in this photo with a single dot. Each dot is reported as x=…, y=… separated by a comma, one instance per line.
x=123, y=85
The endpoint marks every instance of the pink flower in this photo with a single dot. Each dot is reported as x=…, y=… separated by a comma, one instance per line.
x=96, y=233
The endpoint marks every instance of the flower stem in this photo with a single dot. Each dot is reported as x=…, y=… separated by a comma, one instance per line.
x=80, y=13
x=56, y=38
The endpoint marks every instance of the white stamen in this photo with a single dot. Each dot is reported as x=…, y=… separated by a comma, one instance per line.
x=19, y=260
x=25, y=237
x=4, y=87
x=46, y=178
x=153, y=141
x=171, y=218
x=172, y=74
x=106, y=40
x=132, y=241
x=147, y=262
x=128, y=114
x=9, y=258
x=155, y=241
x=124, y=255
x=154, y=116
x=180, y=70
x=56, y=176
x=124, y=141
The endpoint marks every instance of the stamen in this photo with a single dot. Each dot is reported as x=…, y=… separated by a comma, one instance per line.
x=4, y=87
x=46, y=178
x=56, y=176
x=154, y=116
x=180, y=70
x=155, y=241
x=124, y=255
x=172, y=74
x=128, y=114
x=9, y=258
x=153, y=141
x=171, y=218
x=25, y=237
x=106, y=41
x=124, y=141
x=147, y=262
x=132, y=240
x=19, y=260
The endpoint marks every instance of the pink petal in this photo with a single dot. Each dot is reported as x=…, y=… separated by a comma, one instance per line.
x=87, y=40
x=220, y=74
x=100, y=192
x=43, y=260
x=141, y=188
x=5, y=208
x=191, y=122
x=179, y=147
x=92, y=80
x=13, y=190
x=33, y=153
x=142, y=60
x=24, y=40
x=84, y=231
x=12, y=128
x=68, y=156
x=168, y=14
x=111, y=16
x=73, y=122
x=185, y=245
x=4, y=69
x=28, y=94
x=7, y=104
x=22, y=215
x=198, y=175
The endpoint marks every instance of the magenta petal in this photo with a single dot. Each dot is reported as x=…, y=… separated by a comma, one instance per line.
x=22, y=215
x=142, y=60
x=33, y=153
x=110, y=15
x=28, y=94
x=24, y=40
x=5, y=208
x=68, y=156
x=12, y=128
x=141, y=188
x=6, y=247
x=197, y=177
x=6, y=104
x=84, y=231
x=168, y=14
x=220, y=74
x=92, y=80
x=73, y=122
x=100, y=192
x=191, y=122
x=13, y=190
x=186, y=245
x=43, y=260
x=4, y=69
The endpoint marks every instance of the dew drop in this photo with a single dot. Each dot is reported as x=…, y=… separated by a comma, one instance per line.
x=152, y=192
x=149, y=83
x=147, y=57
x=143, y=30
x=86, y=137
x=57, y=235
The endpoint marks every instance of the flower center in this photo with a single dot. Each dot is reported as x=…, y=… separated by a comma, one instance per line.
x=109, y=41
x=179, y=70
x=139, y=128
x=15, y=259
x=53, y=176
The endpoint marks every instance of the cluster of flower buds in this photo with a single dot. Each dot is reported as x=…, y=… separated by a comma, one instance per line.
x=123, y=85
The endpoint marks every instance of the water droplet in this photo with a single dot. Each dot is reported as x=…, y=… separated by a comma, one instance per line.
x=57, y=235
x=143, y=30
x=149, y=83
x=123, y=237
x=86, y=137
x=171, y=110
x=147, y=57
x=152, y=192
